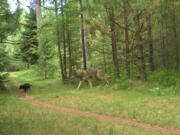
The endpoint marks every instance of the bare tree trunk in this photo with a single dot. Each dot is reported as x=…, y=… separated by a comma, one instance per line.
x=162, y=46
x=151, y=51
x=38, y=13
x=69, y=50
x=110, y=12
x=175, y=35
x=58, y=43
x=85, y=40
x=164, y=36
x=43, y=2
x=139, y=43
x=45, y=74
x=38, y=19
x=64, y=38
x=104, y=58
x=68, y=33
x=127, y=42
x=166, y=47
x=83, y=35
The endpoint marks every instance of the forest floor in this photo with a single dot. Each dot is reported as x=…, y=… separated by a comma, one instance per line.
x=98, y=111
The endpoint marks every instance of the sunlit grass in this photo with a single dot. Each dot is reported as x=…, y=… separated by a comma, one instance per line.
x=137, y=102
x=20, y=118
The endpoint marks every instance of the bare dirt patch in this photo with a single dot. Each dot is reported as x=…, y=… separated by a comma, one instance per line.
x=14, y=81
x=105, y=118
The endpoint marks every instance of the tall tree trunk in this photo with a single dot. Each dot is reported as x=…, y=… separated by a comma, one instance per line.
x=45, y=74
x=59, y=43
x=68, y=33
x=139, y=43
x=43, y=2
x=83, y=35
x=64, y=38
x=127, y=41
x=38, y=19
x=38, y=13
x=164, y=30
x=175, y=35
x=151, y=51
x=110, y=12
x=69, y=50
x=104, y=57
x=163, y=46
x=166, y=46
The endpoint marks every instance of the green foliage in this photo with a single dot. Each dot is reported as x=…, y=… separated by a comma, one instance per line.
x=3, y=64
x=8, y=25
x=122, y=82
x=47, y=64
x=29, y=44
x=173, y=90
x=50, y=70
x=9, y=21
x=136, y=103
x=165, y=78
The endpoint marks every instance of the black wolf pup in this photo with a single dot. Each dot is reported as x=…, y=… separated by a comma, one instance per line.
x=25, y=87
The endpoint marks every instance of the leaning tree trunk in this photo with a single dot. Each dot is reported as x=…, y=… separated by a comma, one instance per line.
x=110, y=13
x=59, y=43
x=151, y=51
x=83, y=36
x=139, y=42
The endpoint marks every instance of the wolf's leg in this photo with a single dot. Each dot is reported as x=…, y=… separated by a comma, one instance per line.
x=107, y=81
x=90, y=84
x=79, y=84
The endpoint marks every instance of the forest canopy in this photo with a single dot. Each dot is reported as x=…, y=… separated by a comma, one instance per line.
x=126, y=39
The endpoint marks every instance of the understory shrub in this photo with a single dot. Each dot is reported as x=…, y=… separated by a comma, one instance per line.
x=165, y=78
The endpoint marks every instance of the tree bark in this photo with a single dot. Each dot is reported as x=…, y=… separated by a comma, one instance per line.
x=110, y=12
x=38, y=13
x=175, y=35
x=59, y=43
x=68, y=33
x=104, y=57
x=139, y=43
x=38, y=19
x=127, y=42
x=151, y=51
x=162, y=46
x=64, y=39
x=83, y=35
x=69, y=50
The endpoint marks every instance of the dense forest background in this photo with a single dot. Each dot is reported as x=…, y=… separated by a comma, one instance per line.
x=126, y=39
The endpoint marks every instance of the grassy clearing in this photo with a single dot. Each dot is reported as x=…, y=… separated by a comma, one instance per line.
x=20, y=118
x=138, y=103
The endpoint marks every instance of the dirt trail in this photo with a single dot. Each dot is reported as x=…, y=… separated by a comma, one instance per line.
x=130, y=122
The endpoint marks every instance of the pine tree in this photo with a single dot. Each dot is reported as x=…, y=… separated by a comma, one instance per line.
x=9, y=22
x=29, y=44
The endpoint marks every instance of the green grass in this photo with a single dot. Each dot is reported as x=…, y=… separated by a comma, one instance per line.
x=20, y=118
x=137, y=102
